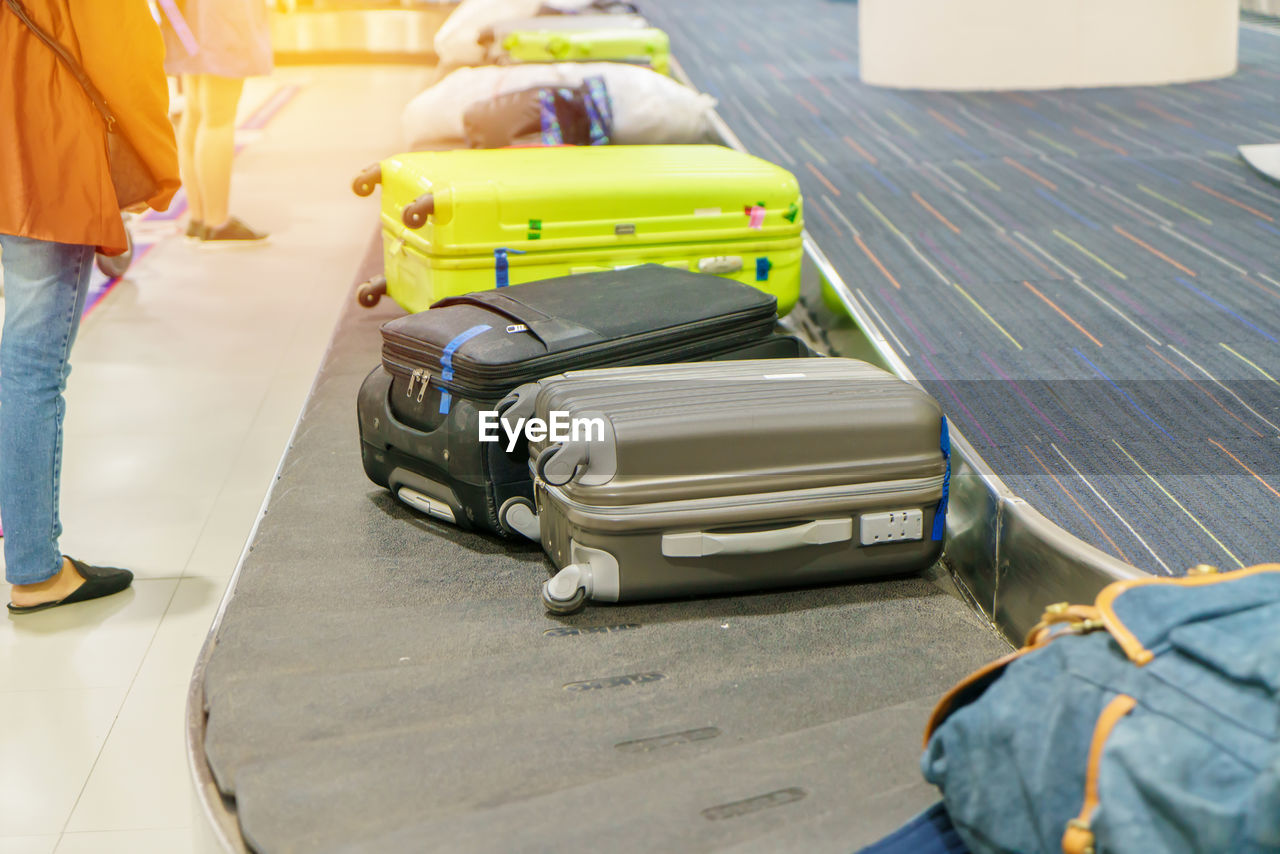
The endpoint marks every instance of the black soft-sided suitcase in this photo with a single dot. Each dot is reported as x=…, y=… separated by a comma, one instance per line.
x=442, y=369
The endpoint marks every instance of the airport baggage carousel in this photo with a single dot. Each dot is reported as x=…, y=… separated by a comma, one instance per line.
x=381, y=682
x=1088, y=281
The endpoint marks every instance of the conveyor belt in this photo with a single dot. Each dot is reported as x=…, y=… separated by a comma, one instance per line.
x=380, y=682
x=1088, y=280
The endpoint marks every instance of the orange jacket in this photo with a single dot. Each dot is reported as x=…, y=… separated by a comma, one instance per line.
x=54, y=180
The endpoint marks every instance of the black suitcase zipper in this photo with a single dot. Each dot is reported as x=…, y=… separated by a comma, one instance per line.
x=401, y=359
x=642, y=348
x=416, y=349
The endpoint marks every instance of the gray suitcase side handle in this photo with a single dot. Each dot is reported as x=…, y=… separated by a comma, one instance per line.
x=704, y=544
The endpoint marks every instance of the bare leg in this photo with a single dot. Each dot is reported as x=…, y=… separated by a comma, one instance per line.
x=188, y=130
x=215, y=144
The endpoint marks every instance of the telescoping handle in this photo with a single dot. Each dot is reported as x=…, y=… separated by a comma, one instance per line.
x=703, y=544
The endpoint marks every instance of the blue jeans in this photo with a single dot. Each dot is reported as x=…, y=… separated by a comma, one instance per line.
x=45, y=286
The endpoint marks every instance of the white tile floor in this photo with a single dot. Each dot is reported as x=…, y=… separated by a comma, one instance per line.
x=187, y=381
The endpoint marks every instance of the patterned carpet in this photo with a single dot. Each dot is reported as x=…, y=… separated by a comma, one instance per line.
x=1089, y=280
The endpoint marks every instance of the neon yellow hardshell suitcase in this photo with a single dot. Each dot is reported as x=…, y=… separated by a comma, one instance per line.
x=646, y=46
x=454, y=222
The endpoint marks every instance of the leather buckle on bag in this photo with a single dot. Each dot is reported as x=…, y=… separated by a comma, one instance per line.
x=1081, y=840
x=1062, y=617
x=1203, y=569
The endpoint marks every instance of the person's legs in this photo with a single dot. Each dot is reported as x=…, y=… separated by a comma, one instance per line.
x=215, y=148
x=188, y=131
x=215, y=144
x=45, y=289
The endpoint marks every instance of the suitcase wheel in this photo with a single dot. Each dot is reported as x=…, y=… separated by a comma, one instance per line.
x=518, y=516
x=368, y=179
x=416, y=212
x=559, y=464
x=563, y=606
x=370, y=292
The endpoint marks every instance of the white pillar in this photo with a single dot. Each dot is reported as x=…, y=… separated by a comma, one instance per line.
x=1045, y=44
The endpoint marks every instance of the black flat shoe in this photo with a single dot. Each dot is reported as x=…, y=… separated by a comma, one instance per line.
x=234, y=232
x=99, y=581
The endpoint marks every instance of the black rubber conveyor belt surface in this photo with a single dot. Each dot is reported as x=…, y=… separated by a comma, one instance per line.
x=1088, y=280
x=384, y=683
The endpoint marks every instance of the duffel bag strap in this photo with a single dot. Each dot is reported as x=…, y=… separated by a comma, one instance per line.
x=1078, y=838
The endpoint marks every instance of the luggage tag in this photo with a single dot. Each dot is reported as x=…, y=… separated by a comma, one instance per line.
x=756, y=214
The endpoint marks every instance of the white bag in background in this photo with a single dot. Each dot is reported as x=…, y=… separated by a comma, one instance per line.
x=434, y=117
x=648, y=108
x=455, y=41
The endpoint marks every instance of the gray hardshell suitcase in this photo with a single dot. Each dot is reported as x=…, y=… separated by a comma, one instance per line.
x=690, y=479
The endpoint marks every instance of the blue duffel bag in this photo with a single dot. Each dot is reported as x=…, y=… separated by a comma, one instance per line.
x=1148, y=722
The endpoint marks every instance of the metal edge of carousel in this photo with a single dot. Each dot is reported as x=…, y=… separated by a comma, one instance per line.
x=1006, y=558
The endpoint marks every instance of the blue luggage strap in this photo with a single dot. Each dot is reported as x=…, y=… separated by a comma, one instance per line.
x=763, y=266
x=500, y=264
x=446, y=361
x=930, y=832
x=940, y=517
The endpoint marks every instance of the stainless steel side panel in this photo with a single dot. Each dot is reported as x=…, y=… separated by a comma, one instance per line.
x=1005, y=555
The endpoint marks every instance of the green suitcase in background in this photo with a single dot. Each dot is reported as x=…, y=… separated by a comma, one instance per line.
x=454, y=222
x=644, y=46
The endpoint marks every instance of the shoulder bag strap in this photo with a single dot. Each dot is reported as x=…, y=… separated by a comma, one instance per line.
x=74, y=67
